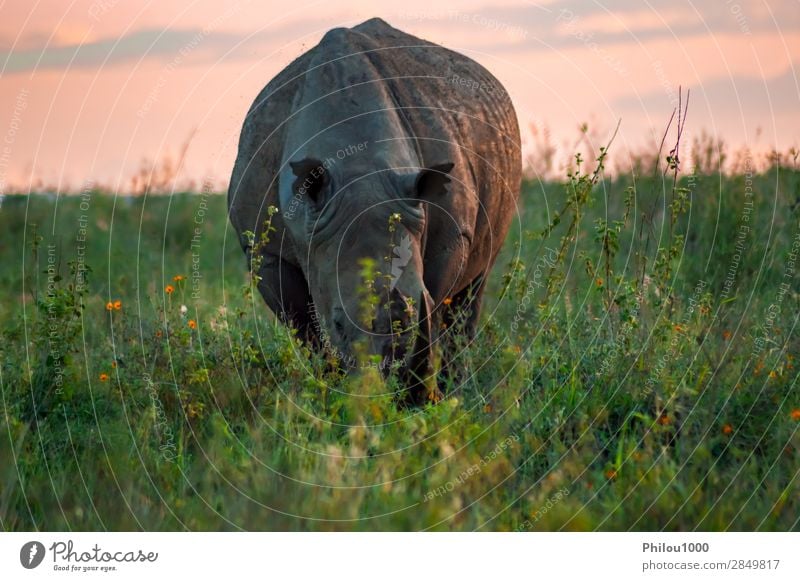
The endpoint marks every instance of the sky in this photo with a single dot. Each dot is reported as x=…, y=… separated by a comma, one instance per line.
x=90, y=90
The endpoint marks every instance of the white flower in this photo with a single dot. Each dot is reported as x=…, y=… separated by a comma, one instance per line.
x=184, y=310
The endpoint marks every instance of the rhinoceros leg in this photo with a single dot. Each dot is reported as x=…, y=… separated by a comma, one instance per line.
x=285, y=291
x=459, y=323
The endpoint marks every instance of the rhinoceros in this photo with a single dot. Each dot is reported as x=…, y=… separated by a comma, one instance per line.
x=378, y=145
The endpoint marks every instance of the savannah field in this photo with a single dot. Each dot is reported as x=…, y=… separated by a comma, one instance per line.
x=635, y=368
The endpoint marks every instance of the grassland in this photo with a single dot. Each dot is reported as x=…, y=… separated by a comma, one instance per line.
x=636, y=368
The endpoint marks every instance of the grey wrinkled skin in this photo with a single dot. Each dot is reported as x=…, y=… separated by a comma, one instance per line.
x=369, y=123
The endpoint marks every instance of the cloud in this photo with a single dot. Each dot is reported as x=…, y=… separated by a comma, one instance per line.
x=148, y=43
x=718, y=16
x=567, y=23
x=725, y=96
x=562, y=24
x=205, y=44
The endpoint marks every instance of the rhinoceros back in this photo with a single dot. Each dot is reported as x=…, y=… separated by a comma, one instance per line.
x=447, y=106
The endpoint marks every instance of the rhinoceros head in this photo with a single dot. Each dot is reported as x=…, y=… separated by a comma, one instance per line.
x=337, y=218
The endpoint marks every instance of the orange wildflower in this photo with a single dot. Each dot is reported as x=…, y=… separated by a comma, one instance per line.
x=117, y=305
x=726, y=335
x=169, y=289
x=104, y=377
x=795, y=415
x=177, y=278
x=158, y=333
x=114, y=364
x=773, y=374
x=192, y=324
x=727, y=429
x=109, y=306
x=611, y=474
x=664, y=420
x=599, y=282
x=447, y=301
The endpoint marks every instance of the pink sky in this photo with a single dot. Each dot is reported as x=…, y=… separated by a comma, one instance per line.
x=89, y=89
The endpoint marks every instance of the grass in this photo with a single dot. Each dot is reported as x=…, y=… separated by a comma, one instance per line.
x=634, y=369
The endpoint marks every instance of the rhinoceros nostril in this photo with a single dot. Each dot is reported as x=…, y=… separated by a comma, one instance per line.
x=339, y=326
x=340, y=323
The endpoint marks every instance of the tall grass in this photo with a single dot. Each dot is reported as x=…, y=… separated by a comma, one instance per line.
x=634, y=369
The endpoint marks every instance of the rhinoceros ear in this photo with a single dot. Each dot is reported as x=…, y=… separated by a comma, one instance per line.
x=431, y=181
x=312, y=177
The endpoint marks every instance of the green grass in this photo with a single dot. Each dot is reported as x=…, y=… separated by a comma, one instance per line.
x=618, y=381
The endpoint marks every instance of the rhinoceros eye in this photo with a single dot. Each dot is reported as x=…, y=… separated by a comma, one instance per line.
x=311, y=179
